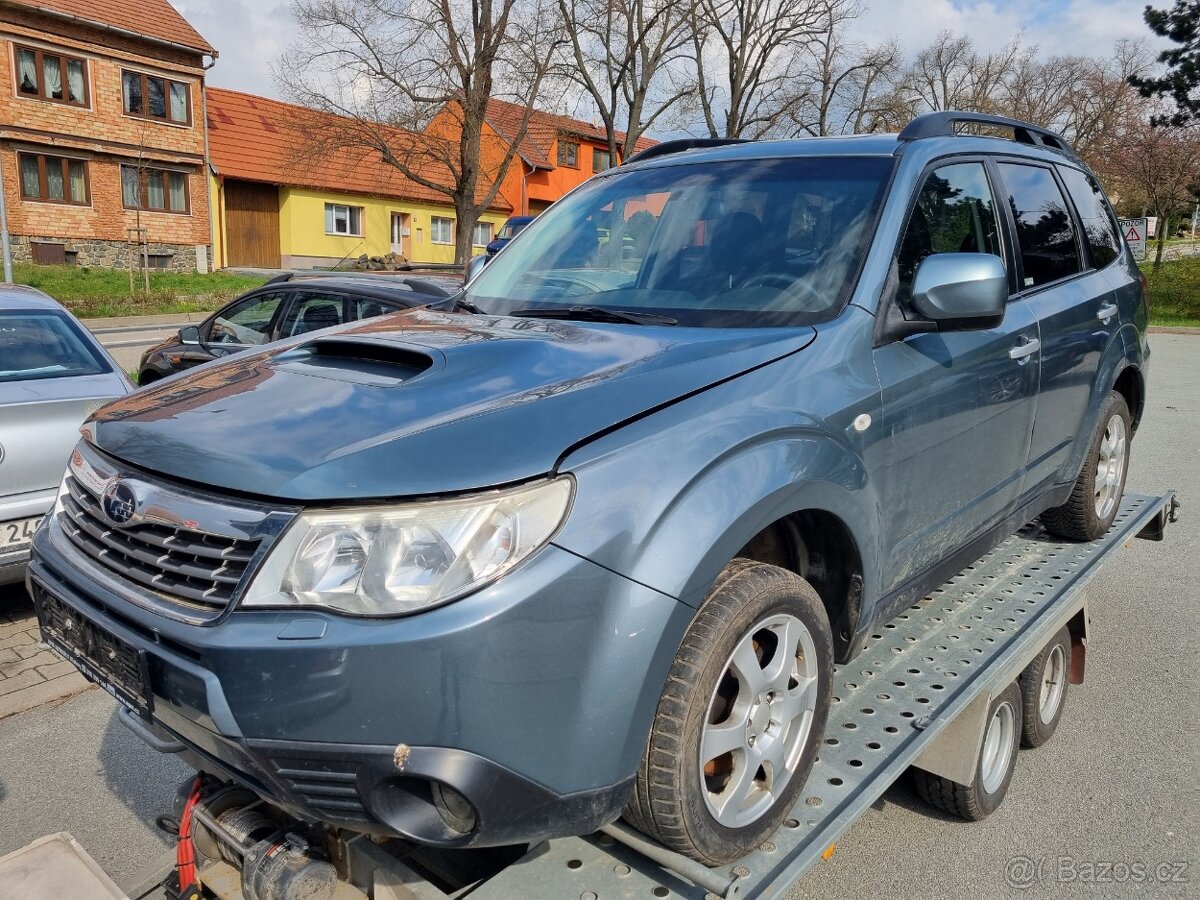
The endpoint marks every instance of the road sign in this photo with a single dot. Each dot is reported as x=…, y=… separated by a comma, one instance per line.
x=1134, y=231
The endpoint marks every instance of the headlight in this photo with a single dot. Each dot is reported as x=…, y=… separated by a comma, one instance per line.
x=382, y=561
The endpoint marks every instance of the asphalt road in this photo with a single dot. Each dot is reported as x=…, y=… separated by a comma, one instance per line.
x=1115, y=794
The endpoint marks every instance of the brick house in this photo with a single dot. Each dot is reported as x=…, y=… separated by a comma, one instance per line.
x=102, y=131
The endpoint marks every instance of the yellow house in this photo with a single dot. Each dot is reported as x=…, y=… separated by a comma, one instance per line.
x=271, y=211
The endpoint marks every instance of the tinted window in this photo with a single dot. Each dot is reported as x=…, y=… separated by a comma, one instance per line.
x=1045, y=234
x=1099, y=227
x=369, y=308
x=45, y=345
x=311, y=312
x=741, y=243
x=953, y=213
x=247, y=322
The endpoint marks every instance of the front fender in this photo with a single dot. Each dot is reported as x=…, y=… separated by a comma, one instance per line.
x=673, y=526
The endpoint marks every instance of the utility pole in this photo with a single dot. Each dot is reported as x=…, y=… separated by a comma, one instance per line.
x=5, y=244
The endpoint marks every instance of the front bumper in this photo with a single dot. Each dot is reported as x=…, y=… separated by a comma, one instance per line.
x=532, y=698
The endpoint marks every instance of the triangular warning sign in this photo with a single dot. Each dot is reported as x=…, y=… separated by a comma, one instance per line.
x=1132, y=234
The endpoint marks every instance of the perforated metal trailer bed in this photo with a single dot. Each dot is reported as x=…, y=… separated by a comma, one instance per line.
x=922, y=694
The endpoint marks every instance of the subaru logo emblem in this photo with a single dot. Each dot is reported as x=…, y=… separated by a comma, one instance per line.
x=119, y=503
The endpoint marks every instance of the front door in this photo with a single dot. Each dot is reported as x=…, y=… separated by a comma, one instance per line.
x=400, y=234
x=958, y=406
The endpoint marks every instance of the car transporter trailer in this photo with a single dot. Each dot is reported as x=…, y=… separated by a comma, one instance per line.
x=920, y=694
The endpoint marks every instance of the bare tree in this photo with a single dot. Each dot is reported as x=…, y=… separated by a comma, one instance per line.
x=624, y=53
x=393, y=68
x=747, y=55
x=1158, y=167
x=951, y=74
x=841, y=87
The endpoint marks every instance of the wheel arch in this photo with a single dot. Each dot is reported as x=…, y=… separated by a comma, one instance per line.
x=1131, y=384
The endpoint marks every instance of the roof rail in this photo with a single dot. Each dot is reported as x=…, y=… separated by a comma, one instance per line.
x=418, y=285
x=668, y=147
x=944, y=122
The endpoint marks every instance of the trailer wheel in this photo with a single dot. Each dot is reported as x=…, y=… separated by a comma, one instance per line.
x=1044, y=690
x=1096, y=497
x=994, y=771
x=740, y=718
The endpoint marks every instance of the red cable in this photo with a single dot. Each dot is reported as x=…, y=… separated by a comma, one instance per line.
x=185, y=851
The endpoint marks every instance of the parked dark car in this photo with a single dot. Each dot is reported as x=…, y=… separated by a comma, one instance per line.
x=285, y=307
x=509, y=230
x=588, y=541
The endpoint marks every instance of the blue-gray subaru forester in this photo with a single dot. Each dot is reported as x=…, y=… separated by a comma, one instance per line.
x=587, y=539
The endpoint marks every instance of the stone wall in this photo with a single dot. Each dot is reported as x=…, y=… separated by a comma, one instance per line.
x=108, y=254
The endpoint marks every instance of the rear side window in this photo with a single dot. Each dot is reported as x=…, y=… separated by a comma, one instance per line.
x=954, y=213
x=35, y=345
x=1099, y=228
x=1045, y=233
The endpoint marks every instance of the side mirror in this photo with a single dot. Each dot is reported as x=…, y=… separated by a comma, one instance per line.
x=190, y=335
x=473, y=267
x=961, y=290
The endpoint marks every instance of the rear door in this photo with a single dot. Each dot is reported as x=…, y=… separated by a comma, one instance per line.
x=1074, y=305
x=958, y=406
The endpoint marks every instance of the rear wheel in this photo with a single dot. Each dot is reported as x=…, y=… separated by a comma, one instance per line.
x=1096, y=497
x=1044, y=690
x=993, y=772
x=740, y=718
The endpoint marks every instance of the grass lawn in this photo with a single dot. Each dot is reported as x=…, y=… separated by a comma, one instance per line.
x=1174, y=295
x=96, y=293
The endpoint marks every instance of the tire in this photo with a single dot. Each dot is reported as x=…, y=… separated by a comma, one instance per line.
x=718, y=809
x=1044, y=690
x=993, y=772
x=1083, y=517
x=149, y=376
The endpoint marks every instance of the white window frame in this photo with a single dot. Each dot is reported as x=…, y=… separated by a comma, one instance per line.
x=475, y=242
x=435, y=224
x=352, y=213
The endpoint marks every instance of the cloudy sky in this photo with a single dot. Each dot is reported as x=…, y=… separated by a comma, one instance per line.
x=251, y=34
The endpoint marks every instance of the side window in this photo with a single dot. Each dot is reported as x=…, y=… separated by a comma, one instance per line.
x=954, y=213
x=247, y=322
x=312, y=311
x=1099, y=227
x=369, y=308
x=1045, y=233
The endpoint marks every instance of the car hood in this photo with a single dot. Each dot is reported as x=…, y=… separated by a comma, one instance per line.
x=419, y=403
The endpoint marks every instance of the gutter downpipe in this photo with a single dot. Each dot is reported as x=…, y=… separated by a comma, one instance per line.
x=208, y=169
x=5, y=245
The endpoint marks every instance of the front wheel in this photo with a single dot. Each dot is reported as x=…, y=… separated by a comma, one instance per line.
x=740, y=719
x=1096, y=497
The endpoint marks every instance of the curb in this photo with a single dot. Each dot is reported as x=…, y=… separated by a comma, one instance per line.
x=131, y=321
x=1173, y=329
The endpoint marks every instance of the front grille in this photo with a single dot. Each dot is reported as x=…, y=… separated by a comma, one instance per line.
x=327, y=786
x=188, y=566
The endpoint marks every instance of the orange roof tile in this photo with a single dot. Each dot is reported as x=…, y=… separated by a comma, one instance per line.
x=156, y=19
x=543, y=129
x=259, y=139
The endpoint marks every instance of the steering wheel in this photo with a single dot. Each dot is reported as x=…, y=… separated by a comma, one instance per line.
x=785, y=282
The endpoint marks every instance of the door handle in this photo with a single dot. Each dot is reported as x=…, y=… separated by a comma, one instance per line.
x=1106, y=312
x=1022, y=352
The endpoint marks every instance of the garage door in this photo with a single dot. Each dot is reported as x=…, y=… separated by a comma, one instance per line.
x=252, y=224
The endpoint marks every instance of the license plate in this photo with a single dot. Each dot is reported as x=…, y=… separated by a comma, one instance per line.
x=18, y=532
x=101, y=656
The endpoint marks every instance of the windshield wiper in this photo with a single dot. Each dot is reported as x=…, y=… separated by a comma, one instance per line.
x=595, y=314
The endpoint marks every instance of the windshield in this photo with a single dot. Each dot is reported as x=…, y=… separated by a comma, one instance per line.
x=44, y=345
x=512, y=228
x=741, y=243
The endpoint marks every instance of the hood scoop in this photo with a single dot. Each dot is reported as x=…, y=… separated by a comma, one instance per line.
x=367, y=362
